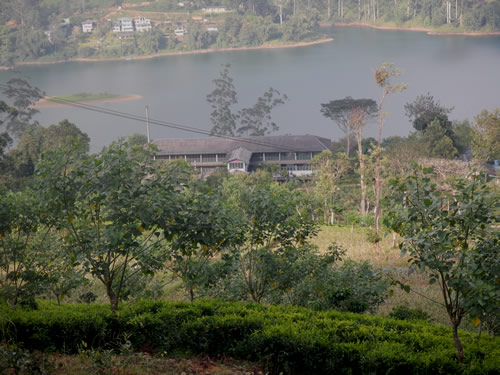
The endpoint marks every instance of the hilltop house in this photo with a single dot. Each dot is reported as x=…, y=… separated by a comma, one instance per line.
x=88, y=26
x=116, y=26
x=142, y=24
x=214, y=9
x=293, y=153
x=126, y=25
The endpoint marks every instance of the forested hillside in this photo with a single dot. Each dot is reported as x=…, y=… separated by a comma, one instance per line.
x=52, y=29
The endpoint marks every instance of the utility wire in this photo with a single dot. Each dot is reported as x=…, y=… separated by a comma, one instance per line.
x=168, y=124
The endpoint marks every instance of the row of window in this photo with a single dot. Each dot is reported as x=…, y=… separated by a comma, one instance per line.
x=270, y=156
x=296, y=167
x=256, y=157
x=235, y=166
x=197, y=158
x=284, y=167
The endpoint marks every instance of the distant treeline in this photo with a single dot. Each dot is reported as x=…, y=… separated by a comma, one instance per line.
x=32, y=30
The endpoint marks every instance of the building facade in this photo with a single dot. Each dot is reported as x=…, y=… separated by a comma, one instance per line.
x=142, y=24
x=126, y=25
x=292, y=153
x=88, y=26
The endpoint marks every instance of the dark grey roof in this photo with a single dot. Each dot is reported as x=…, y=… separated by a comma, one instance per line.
x=214, y=145
x=241, y=154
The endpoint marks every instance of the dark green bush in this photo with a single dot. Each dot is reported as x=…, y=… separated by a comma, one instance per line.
x=284, y=339
x=406, y=313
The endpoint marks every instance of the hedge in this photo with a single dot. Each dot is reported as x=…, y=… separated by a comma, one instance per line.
x=284, y=339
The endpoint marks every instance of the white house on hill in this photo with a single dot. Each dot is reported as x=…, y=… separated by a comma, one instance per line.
x=142, y=24
x=88, y=26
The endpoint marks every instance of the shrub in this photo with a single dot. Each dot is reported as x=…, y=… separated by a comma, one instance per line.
x=284, y=339
x=406, y=313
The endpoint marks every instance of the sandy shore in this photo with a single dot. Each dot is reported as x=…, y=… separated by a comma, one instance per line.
x=155, y=55
x=403, y=28
x=45, y=103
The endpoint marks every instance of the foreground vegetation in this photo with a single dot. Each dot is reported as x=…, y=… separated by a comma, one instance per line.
x=120, y=226
x=290, y=340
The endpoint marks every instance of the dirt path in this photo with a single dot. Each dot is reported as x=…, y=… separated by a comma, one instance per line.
x=45, y=103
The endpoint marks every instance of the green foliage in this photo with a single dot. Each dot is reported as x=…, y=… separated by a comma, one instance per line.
x=22, y=248
x=452, y=235
x=14, y=359
x=406, y=313
x=486, y=136
x=256, y=120
x=37, y=140
x=373, y=237
x=221, y=99
x=18, y=111
x=204, y=227
x=289, y=340
x=109, y=209
x=328, y=170
x=300, y=25
x=252, y=121
x=274, y=223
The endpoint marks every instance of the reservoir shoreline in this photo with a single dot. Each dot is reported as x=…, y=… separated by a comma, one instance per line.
x=179, y=53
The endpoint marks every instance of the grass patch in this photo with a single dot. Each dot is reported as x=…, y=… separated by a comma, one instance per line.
x=424, y=296
x=83, y=96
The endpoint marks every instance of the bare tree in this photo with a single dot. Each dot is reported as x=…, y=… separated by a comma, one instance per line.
x=358, y=119
x=383, y=77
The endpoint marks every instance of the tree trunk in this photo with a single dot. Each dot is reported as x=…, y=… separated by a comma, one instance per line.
x=359, y=10
x=456, y=340
x=348, y=137
x=281, y=14
x=113, y=298
x=329, y=11
x=359, y=138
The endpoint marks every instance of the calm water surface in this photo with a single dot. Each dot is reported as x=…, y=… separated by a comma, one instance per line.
x=463, y=72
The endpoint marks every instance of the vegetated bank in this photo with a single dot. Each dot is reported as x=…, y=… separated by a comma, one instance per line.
x=429, y=31
x=284, y=339
x=83, y=97
x=275, y=45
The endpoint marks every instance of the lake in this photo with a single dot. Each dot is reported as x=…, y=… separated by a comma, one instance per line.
x=462, y=72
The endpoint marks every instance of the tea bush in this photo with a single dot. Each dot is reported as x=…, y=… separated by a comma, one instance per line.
x=291, y=340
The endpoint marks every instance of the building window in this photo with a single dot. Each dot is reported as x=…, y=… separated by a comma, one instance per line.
x=235, y=165
x=210, y=158
x=303, y=167
x=257, y=157
x=287, y=156
x=193, y=158
x=272, y=156
x=303, y=156
x=287, y=167
x=206, y=169
x=221, y=158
